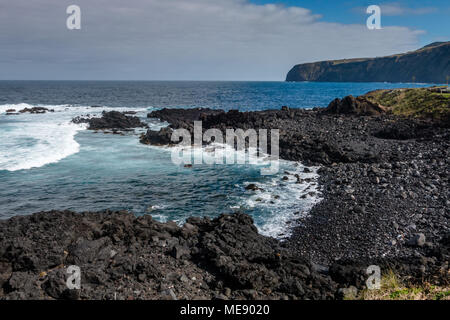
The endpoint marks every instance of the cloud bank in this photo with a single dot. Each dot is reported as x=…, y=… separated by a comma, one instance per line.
x=178, y=39
x=396, y=9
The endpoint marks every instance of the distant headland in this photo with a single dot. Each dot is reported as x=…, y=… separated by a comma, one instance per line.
x=430, y=64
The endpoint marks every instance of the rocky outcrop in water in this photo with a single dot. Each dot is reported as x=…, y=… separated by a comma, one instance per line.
x=177, y=118
x=36, y=110
x=429, y=64
x=112, y=120
x=162, y=137
x=182, y=118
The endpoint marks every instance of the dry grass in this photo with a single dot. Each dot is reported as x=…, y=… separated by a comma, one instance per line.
x=393, y=289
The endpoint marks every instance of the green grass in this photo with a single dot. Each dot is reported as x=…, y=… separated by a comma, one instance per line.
x=444, y=95
x=417, y=102
x=392, y=288
x=442, y=295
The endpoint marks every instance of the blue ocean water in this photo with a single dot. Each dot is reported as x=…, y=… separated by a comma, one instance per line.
x=47, y=163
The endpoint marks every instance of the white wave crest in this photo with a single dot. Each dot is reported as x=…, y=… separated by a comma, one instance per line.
x=38, y=144
x=35, y=140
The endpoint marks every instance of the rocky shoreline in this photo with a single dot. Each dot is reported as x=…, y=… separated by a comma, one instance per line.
x=385, y=184
x=384, y=178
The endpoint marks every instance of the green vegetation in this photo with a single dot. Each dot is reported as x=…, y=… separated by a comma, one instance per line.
x=393, y=289
x=417, y=102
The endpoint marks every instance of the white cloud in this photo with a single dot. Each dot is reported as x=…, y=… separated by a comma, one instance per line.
x=397, y=9
x=179, y=39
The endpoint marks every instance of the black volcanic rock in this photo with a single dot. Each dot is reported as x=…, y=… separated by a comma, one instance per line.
x=352, y=105
x=430, y=64
x=324, y=136
x=182, y=118
x=36, y=110
x=122, y=256
x=384, y=180
x=159, y=138
x=112, y=120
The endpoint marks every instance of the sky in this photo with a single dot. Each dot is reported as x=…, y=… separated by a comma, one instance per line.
x=204, y=39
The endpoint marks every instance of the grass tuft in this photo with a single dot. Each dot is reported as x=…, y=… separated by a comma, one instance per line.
x=393, y=289
x=418, y=102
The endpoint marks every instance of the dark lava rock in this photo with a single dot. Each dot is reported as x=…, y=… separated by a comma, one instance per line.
x=36, y=110
x=375, y=170
x=417, y=240
x=55, y=286
x=381, y=179
x=180, y=252
x=356, y=106
x=158, y=138
x=117, y=259
x=405, y=130
x=252, y=187
x=122, y=256
x=182, y=118
x=190, y=114
x=112, y=120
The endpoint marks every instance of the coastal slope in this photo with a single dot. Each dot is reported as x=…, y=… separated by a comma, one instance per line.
x=430, y=64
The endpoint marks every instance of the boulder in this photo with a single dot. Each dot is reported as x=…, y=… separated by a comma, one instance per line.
x=159, y=138
x=354, y=106
x=417, y=240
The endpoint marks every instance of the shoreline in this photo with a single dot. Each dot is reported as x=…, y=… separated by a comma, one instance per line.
x=375, y=163
x=384, y=181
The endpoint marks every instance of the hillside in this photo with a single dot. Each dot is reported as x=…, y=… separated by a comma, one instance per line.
x=430, y=103
x=430, y=64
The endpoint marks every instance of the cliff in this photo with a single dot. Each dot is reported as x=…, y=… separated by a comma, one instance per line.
x=430, y=64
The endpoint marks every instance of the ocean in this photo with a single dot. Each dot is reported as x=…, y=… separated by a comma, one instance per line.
x=47, y=162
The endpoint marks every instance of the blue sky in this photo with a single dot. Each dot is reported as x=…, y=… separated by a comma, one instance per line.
x=433, y=17
x=204, y=39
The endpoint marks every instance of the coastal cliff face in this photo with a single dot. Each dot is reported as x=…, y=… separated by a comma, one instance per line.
x=430, y=64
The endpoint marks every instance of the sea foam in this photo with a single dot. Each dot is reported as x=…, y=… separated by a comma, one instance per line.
x=283, y=202
x=35, y=140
